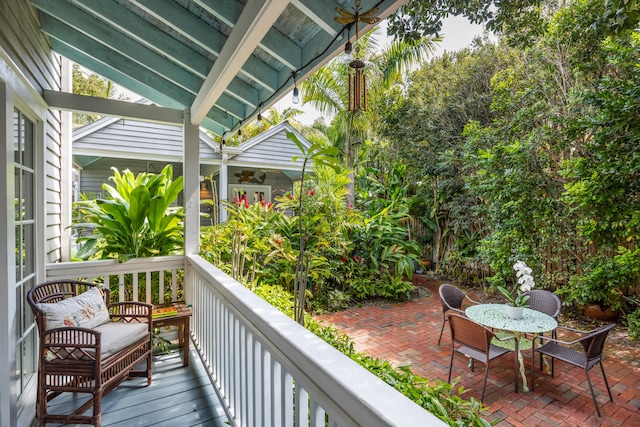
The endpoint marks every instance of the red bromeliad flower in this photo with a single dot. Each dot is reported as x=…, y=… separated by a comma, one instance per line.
x=270, y=205
x=344, y=259
x=264, y=202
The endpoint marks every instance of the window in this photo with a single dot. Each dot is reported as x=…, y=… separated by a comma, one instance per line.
x=24, y=202
x=254, y=193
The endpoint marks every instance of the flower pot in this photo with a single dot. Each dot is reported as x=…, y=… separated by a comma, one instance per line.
x=595, y=312
x=514, y=312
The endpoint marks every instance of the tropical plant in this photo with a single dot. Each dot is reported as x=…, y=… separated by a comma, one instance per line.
x=136, y=220
x=328, y=90
x=320, y=155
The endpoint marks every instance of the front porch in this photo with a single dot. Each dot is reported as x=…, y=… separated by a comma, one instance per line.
x=253, y=366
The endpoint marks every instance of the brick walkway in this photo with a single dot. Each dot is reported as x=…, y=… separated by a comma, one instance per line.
x=408, y=333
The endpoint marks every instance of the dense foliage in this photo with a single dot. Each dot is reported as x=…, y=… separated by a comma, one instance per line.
x=344, y=254
x=531, y=154
x=520, y=20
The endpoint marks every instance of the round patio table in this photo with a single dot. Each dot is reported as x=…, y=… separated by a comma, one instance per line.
x=495, y=316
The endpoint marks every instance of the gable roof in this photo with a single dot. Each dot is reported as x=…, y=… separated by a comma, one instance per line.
x=222, y=60
x=131, y=139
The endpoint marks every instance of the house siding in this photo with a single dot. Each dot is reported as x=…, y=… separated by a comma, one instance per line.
x=278, y=150
x=27, y=67
x=126, y=138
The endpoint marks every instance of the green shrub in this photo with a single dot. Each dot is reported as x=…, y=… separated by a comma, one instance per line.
x=633, y=322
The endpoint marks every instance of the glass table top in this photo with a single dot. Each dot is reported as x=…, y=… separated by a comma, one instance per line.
x=495, y=316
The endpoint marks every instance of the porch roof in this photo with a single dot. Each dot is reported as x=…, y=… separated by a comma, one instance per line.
x=224, y=60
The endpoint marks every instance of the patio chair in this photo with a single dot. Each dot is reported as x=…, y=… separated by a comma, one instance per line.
x=474, y=341
x=592, y=343
x=544, y=301
x=548, y=303
x=452, y=299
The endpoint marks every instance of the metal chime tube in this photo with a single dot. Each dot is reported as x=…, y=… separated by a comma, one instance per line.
x=364, y=92
x=351, y=108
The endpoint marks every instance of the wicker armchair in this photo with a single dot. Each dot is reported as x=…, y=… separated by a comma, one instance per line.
x=544, y=301
x=548, y=303
x=87, y=345
x=592, y=344
x=474, y=341
x=452, y=299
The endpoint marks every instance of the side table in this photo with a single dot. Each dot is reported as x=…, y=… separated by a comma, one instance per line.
x=181, y=320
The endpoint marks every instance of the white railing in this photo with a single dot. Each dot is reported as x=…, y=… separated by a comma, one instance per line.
x=131, y=276
x=270, y=371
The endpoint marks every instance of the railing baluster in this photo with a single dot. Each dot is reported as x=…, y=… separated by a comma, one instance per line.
x=121, y=289
x=147, y=287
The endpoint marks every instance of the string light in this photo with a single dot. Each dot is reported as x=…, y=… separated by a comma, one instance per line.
x=348, y=46
x=296, y=92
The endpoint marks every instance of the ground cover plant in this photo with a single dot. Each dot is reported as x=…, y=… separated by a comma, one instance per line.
x=446, y=401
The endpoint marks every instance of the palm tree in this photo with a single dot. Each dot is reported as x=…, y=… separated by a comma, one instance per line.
x=328, y=88
x=274, y=117
x=271, y=118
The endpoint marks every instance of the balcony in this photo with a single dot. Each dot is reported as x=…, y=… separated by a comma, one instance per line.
x=253, y=366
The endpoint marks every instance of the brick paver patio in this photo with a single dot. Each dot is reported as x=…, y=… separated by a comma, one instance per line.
x=408, y=333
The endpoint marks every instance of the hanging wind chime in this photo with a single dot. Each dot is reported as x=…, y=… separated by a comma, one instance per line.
x=357, y=78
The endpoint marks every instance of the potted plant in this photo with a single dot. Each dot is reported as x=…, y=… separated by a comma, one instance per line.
x=516, y=301
x=598, y=292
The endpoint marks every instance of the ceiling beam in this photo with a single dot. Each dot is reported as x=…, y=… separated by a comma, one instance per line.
x=123, y=20
x=254, y=22
x=144, y=84
x=66, y=101
x=211, y=40
x=319, y=12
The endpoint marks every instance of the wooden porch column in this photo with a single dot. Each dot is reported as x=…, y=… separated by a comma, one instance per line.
x=191, y=173
x=222, y=212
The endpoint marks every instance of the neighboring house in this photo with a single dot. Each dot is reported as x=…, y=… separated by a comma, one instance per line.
x=261, y=167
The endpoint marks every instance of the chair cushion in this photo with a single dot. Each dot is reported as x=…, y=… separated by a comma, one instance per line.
x=118, y=335
x=86, y=310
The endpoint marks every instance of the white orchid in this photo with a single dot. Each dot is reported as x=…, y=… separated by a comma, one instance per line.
x=526, y=282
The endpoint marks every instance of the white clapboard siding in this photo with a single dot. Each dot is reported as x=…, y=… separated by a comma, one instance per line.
x=29, y=51
x=270, y=149
x=27, y=68
x=126, y=138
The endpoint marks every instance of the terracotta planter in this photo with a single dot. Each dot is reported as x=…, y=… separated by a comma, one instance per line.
x=595, y=312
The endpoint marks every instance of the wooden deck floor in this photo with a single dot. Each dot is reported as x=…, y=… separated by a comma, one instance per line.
x=178, y=396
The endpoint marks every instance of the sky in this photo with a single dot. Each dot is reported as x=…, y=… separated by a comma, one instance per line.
x=457, y=33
